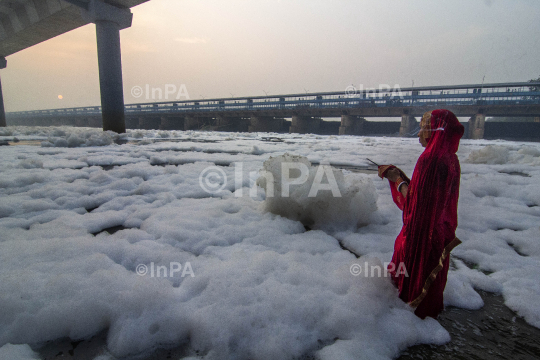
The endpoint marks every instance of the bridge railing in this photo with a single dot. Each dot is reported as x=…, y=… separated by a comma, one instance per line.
x=487, y=94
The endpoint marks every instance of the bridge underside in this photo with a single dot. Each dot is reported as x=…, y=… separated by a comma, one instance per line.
x=25, y=23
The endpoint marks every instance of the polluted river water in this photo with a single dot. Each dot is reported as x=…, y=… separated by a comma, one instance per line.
x=492, y=331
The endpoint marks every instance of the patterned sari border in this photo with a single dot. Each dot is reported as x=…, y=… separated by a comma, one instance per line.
x=431, y=278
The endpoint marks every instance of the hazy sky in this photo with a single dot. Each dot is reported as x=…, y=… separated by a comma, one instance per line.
x=219, y=48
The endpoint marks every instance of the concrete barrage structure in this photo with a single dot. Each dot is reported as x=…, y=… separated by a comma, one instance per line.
x=269, y=113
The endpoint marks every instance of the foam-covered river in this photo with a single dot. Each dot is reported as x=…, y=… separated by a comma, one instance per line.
x=230, y=275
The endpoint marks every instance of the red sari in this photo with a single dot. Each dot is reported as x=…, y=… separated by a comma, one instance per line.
x=423, y=246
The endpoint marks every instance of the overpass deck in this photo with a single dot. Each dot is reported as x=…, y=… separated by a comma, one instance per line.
x=25, y=23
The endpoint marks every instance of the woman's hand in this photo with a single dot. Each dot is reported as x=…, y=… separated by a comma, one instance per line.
x=392, y=174
x=395, y=176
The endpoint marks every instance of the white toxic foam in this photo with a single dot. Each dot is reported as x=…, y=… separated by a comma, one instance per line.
x=318, y=196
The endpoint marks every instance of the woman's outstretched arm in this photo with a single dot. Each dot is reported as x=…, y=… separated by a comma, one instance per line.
x=395, y=176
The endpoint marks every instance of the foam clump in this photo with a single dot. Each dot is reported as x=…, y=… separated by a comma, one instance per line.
x=5, y=132
x=528, y=155
x=491, y=154
x=256, y=151
x=31, y=164
x=17, y=352
x=529, y=150
x=318, y=196
x=499, y=155
x=83, y=139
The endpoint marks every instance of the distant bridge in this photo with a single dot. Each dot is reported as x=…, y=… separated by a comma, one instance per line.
x=267, y=113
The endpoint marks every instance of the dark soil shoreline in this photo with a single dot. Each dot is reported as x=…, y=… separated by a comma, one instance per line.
x=493, y=332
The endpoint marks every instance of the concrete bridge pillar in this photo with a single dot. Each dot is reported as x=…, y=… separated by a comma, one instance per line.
x=243, y=124
x=265, y=124
x=304, y=124
x=109, y=21
x=197, y=123
x=149, y=122
x=191, y=123
x=408, y=124
x=351, y=125
x=3, y=64
x=171, y=123
x=232, y=123
x=477, y=125
x=224, y=121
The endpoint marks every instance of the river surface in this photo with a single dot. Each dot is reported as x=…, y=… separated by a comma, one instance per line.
x=492, y=332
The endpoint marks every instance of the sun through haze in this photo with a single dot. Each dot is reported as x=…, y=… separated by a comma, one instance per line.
x=211, y=48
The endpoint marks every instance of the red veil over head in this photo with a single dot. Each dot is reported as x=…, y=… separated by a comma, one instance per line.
x=429, y=219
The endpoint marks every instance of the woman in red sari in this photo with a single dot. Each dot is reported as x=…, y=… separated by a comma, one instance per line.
x=429, y=201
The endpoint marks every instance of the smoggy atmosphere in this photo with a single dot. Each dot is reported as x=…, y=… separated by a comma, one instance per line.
x=248, y=48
